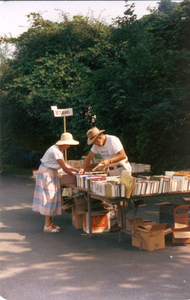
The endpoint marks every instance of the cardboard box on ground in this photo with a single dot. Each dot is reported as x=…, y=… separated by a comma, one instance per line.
x=100, y=221
x=77, y=219
x=181, y=235
x=177, y=218
x=82, y=204
x=175, y=215
x=152, y=234
x=101, y=214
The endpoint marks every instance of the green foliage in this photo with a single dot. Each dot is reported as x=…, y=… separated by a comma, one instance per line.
x=131, y=78
x=166, y=6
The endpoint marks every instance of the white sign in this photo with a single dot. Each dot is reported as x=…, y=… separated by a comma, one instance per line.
x=52, y=108
x=63, y=112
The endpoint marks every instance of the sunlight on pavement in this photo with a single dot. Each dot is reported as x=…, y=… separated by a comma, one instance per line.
x=20, y=206
x=12, y=243
x=12, y=272
x=79, y=256
x=67, y=289
x=130, y=286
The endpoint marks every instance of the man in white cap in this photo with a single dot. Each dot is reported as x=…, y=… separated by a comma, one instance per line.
x=112, y=152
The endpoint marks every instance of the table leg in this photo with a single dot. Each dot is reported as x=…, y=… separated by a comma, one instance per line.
x=122, y=213
x=134, y=222
x=89, y=216
x=134, y=217
x=124, y=230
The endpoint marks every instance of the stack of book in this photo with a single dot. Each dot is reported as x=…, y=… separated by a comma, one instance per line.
x=108, y=186
x=160, y=184
x=140, y=168
x=127, y=185
x=85, y=181
x=136, y=168
x=101, y=184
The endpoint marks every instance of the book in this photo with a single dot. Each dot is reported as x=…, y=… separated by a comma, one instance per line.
x=181, y=181
x=89, y=179
x=100, y=187
x=129, y=182
x=159, y=178
x=109, y=190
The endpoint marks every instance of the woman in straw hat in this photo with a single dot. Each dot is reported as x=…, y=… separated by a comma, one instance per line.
x=47, y=194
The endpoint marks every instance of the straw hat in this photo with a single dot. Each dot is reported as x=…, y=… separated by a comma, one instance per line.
x=67, y=139
x=92, y=134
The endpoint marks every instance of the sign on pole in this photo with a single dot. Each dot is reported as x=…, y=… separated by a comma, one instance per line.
x=62, y=113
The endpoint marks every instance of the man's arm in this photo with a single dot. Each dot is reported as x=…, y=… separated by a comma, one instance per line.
x=119, y=156
x=86, y=162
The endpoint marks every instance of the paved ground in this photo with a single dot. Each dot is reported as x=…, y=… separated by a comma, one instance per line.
x=69, y=265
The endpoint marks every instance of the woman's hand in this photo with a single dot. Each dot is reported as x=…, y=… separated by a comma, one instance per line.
x=81, y=171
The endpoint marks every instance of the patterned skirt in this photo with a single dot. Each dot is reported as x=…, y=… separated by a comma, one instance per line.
x=47, y=194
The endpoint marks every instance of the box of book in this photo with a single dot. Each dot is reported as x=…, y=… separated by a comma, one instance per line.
x=81, y=204
x=181, y=235
x=175, y=215
x=77, y=219
x=100, y=221
x=139, y=222
x=75, y=163
x=66, y=178
x=152, y=236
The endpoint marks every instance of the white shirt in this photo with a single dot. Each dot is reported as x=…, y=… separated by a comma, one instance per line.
x=112, y=146
x=50, y=157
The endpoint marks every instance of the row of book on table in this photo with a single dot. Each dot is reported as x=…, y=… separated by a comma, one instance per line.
x=136, y=168
x=126, y=185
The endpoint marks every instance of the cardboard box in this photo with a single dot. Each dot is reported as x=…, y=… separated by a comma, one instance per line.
x=181, y=235
x=175, y=215
x=100, y=221
x=82, y=204
x=67, y=179
x=153, y=237
x=139, y=222
x=75, y=163
x=77, y=219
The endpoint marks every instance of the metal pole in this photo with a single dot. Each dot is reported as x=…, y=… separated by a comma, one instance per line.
x=89, y=215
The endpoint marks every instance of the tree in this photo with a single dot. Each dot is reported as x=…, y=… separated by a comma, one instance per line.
x=167, y=6
x=130, y=78
x=52, y=61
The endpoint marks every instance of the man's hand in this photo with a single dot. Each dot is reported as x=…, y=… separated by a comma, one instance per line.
x=106, y=162
x=101, y=165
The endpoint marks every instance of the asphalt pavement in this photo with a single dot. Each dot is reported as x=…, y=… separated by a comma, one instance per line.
x=70, y=266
